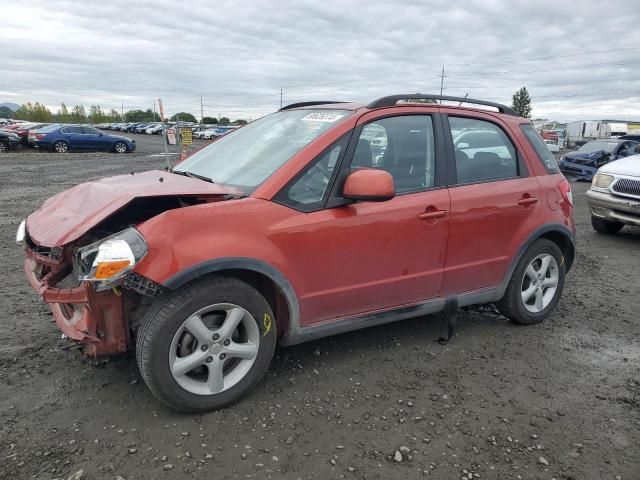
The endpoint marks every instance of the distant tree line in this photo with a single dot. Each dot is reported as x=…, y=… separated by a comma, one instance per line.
x=37, y=112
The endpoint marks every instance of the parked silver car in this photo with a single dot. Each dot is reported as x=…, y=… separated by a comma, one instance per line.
x=614, y=197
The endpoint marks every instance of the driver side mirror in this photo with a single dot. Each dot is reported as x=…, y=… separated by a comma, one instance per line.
x=369, y=184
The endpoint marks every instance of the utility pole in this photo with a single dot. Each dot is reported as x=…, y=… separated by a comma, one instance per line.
x=154, y=110
x=280, y=97
x=442, y=81
x=122, y=110
x=164, y=133
x=201, y=111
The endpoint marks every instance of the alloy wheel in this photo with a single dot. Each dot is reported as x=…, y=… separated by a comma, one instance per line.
x=540, y=283
x=3, y=147
x=214, y=349
x=120, y=147
x=61, y=147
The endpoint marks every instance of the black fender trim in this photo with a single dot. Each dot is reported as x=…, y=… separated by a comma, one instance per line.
x=533, y=236
x=242, y=263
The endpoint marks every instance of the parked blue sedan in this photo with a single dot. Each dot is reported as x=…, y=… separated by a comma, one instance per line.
x=65, y=138
x=585, y=162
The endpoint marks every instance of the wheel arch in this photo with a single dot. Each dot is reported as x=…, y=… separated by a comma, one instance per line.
x=555, y=232
x=265, y=278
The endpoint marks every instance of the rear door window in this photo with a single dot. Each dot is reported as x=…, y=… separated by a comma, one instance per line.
x=483, y=151
x=547, y=158
x=72, y=130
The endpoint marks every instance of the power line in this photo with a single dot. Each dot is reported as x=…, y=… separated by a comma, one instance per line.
x=546, y=57
x=494, y=60
x=537, y=70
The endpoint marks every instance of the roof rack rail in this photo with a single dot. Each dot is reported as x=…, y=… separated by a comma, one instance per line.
x=308, y=104
x=391, y=100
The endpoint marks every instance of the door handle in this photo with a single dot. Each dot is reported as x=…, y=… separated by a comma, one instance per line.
x=432, y=215
x=527, y=201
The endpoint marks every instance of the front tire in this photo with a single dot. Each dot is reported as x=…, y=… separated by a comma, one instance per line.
x=601, y=225
x=206, y=345
x=120, y=147
x=536, y=284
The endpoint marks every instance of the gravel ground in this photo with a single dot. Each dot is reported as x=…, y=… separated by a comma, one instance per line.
x=500, y=401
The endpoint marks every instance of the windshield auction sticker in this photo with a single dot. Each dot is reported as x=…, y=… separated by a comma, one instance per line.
x=322, y=117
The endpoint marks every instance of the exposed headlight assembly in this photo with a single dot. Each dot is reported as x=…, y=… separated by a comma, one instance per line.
x=601, y=180
x=108, y=260
x=21, y=233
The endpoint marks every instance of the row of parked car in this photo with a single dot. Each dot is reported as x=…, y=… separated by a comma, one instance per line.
x=12, y=135
x=207, y=131
x=62, y=138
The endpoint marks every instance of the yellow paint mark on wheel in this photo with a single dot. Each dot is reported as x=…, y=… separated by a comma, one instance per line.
x=562, y=260
x=266, y=321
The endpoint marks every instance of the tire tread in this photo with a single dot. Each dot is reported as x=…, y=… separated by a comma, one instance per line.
x=161, y=311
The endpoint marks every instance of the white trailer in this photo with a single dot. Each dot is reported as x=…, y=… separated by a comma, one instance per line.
x=583, y=131
x=617, y=129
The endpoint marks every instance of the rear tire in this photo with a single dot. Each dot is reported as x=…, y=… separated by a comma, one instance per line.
x=60, y=147
x=4, y=147
x=541, y=286
x=194, y=322
x=601, y=225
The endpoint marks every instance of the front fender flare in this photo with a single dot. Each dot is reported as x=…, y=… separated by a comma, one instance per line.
x=242, y=263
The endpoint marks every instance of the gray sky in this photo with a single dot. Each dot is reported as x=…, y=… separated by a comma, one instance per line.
x=578, y=59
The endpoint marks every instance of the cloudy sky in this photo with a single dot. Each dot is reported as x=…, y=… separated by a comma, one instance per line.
x=578, y=59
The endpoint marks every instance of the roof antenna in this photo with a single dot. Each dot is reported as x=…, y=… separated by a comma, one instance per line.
x=465, y=96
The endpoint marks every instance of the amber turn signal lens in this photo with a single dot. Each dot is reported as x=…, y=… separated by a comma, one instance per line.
x=106, y=270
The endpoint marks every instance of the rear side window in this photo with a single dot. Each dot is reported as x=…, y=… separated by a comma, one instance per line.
x=483, y=151
x=548, y=160
x=72, y=130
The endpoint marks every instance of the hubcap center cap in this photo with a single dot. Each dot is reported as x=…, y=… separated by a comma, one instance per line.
x=216, y=348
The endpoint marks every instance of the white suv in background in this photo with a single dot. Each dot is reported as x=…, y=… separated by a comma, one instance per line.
x=614, y=197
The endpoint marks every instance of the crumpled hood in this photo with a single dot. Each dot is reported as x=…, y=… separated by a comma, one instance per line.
x=625, y=166
x=66, y=216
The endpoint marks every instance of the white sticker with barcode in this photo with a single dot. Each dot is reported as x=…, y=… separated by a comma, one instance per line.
x=322, y=117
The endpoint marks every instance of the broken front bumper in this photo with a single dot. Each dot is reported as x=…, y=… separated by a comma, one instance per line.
x=614, y=209
x=95, y=319
x=578, y=171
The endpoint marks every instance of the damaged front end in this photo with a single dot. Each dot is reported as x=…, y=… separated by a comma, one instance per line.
x=88, y=289
x=81, y=249
x=583, y=166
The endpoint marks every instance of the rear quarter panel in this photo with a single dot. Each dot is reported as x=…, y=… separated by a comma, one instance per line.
x=554, y=208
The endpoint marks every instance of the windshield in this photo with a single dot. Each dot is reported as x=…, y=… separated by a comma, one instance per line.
x=608, y=147
x=246, y=157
